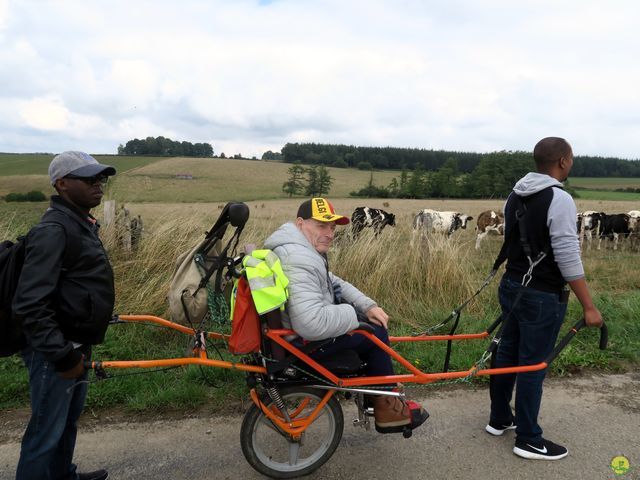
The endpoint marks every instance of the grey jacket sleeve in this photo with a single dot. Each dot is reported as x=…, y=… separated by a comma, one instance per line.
x=352, y=295
x=311, y=313
x=561, y=220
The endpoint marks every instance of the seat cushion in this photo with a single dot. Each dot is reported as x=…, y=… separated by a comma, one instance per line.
x=342, y=362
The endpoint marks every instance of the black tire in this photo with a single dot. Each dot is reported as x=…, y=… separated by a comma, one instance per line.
x=269, y=451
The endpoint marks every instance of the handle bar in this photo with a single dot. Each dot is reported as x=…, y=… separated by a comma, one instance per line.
x=604, y=339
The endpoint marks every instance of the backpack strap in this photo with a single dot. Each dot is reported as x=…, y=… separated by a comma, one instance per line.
x=523, y=238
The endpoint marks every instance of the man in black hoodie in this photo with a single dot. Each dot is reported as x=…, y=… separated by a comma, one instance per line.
x=534, y=301
x=64, y=300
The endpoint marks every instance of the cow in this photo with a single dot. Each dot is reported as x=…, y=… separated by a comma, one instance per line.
x=375, y=218
x=431, y=221
x=589, y=223
x=489, y=221
x=635, y=218
x=612, y=226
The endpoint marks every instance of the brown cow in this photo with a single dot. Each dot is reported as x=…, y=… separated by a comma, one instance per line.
x=489, y=221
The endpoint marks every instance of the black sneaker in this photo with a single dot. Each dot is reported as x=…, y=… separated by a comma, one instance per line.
x=546, y=450
x=97, y=475
x=497, y=429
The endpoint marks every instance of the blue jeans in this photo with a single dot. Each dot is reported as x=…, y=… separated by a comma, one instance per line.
x=528, y=338
x=378, y=361
x=50, y=438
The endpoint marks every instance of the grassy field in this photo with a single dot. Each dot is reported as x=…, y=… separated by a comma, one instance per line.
x=153, y=179
x=434, y=277
x=604, y=183
x=608, y=195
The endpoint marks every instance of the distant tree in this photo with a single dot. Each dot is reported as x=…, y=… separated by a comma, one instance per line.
x=269, y=155
x=416, y=185
x=444, y=182
x=371, y=190
x=312, y=188
x=318, y=181
x=340, y=163
x=364, y=166
x=222, y=155
x=295, y=183
x=324, y=180
x=165, y=147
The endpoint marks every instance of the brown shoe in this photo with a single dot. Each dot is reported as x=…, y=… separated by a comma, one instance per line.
x=394, y=415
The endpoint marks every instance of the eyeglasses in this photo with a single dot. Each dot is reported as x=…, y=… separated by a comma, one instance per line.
x=101, y=179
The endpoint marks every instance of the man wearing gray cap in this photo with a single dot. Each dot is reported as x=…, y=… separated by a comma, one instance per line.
x=64, y=301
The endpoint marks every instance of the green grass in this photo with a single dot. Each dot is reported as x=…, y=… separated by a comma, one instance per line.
x=604, y=183
x=607, y=195
x=417, y=287
x=418, y=290
x=38, y=164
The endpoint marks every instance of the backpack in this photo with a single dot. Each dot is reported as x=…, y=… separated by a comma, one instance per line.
x=199, y=276
x=12, y=339
x=11, y=259
x=245, y=322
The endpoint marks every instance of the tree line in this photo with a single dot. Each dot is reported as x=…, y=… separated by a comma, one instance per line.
x=493, y=177
x=165, y=147
x=366, y=158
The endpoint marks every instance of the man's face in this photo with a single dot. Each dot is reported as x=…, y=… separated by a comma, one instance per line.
x=319, y=234
x=85, y=193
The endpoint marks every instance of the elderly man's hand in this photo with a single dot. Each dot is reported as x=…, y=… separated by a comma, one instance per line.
x=378, y=316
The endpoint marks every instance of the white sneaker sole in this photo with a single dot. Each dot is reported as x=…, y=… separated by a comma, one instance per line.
x=495, y=432
x=537, y=456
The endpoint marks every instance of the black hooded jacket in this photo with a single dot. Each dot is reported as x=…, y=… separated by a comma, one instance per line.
x=65, y=293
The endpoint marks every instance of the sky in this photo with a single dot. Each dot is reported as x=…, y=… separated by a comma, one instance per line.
x=250, y=76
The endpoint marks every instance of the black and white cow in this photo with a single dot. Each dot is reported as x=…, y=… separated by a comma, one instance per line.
x=489, y=221
x=635, y=218
x=432, y=221
x=612, y=226
x=375, y=218
x=589, y=224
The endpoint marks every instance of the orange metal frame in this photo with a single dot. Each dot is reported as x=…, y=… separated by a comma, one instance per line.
x=297, y=426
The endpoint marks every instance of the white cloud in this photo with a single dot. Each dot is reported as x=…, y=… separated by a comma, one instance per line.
x=464, y=75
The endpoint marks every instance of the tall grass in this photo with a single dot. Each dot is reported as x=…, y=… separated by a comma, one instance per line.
x=417, y=285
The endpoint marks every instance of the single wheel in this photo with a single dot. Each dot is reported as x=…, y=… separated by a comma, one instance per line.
x=273, y=453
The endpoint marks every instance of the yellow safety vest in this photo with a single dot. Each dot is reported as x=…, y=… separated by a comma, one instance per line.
x=267, y=281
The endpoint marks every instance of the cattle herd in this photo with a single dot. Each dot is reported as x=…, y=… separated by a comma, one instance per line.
x=614, y=227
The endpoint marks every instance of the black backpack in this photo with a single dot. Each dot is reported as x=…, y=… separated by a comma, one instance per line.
x=12, y=339
x=11, y=260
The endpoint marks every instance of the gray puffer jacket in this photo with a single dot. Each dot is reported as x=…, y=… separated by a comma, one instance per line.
x=310, y=310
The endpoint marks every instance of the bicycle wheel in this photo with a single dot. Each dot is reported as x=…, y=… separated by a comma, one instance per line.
x=271, y=452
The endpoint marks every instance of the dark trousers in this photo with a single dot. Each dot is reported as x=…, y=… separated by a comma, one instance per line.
x=50, y=438
x=528, y=338
x=378, y=362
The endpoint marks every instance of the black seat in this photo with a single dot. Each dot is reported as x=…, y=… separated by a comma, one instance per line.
x=343, y=362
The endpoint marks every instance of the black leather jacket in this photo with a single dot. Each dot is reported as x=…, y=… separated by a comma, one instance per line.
x=65, y=293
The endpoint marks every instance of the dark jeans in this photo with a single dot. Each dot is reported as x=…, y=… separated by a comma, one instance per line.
x=378, y=362
x=50, y=438
x=528, y=338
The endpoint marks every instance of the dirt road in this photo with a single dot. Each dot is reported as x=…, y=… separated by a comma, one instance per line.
x=596, y=417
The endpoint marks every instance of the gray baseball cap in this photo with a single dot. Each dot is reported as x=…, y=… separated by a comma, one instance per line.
x=79, y=164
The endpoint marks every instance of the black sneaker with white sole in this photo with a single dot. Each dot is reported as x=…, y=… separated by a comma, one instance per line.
x=545, y=450
x=497, y=429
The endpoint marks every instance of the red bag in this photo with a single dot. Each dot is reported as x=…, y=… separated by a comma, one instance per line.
x=245, y=324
